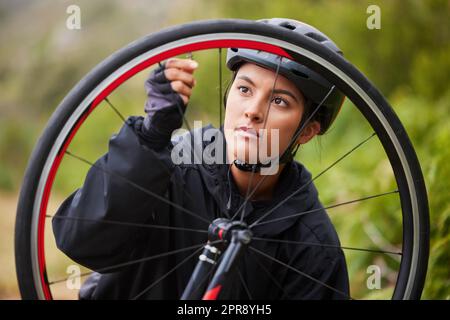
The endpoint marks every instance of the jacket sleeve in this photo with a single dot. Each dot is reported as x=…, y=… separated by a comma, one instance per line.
x=113, y=190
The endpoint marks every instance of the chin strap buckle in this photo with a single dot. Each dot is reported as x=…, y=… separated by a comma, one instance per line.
x=248, y=167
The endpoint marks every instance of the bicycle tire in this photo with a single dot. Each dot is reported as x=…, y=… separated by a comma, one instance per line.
x=109, y=74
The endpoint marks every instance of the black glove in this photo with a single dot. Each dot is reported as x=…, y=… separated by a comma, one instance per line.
x=164, y=108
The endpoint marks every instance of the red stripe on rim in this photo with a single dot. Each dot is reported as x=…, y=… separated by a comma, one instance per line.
x=210, y=44
x=249, y=44
x=213, y=293
x=44, y=203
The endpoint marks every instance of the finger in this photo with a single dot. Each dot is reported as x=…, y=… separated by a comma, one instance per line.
x=181, y=87
x=184, y=98
x=185, y=64
x=174, y=74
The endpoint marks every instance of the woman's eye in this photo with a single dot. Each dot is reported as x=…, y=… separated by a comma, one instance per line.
x=279, y=101
x=243, y=89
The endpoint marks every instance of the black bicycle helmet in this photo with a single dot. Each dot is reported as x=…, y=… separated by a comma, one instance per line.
x=313, y=86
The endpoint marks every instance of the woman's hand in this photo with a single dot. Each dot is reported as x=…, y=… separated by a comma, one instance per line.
x=180, y=74
x=169, y=88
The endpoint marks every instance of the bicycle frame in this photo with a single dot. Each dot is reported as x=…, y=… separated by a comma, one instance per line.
x=235, y=237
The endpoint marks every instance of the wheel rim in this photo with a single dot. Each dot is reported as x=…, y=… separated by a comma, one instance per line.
x=141, y=62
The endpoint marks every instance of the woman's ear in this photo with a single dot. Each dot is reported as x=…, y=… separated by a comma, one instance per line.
x=311, y=130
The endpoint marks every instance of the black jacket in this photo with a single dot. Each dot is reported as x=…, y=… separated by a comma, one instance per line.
x=209, y=191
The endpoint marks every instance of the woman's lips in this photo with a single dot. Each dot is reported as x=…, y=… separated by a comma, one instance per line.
x=246, y=132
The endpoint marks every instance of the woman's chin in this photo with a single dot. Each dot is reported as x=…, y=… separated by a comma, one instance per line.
x=248, y=151
x=245, y=156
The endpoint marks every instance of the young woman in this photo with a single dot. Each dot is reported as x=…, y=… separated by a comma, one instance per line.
x=267, y=92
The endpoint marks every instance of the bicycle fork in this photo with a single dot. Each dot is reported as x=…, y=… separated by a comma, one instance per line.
x=235, y=237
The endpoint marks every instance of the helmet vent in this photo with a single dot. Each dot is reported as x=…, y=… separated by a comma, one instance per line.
x=300, y=74
x=234, y=49
x=315, y=36
x=287, y=25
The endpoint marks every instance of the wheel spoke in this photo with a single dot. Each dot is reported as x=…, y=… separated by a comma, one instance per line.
x=295, y=136
x=300, y=272
x=325, y=208
x=115, y=110
x=311, y=180
x=168, y=273
x=249, y=196
x=327, y=245
x=132, y=262
x=127, y=224
x=220, y=87
x=248, y=193
x=157, y=196
x=186, y=123
x=51, y=283
x=161, y=165
x=271, y=277
x=244, y=285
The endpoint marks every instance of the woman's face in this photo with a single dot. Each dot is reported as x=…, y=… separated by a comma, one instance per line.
x=246, y=112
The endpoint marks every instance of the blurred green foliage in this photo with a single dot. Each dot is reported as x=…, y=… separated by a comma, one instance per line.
x=408, y=59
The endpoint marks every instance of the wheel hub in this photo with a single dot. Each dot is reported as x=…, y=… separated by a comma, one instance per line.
x=223, y=229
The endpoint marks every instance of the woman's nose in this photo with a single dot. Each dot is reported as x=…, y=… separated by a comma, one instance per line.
x=256, y=111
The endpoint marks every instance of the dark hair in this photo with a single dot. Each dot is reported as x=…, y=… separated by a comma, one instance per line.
x=227, y=88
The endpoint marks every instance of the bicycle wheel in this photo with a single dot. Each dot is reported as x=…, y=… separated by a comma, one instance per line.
x=103, y=80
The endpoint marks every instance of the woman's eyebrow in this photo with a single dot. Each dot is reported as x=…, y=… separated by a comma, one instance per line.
x=245, y=78
x=282, y=91
x=288, y=93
